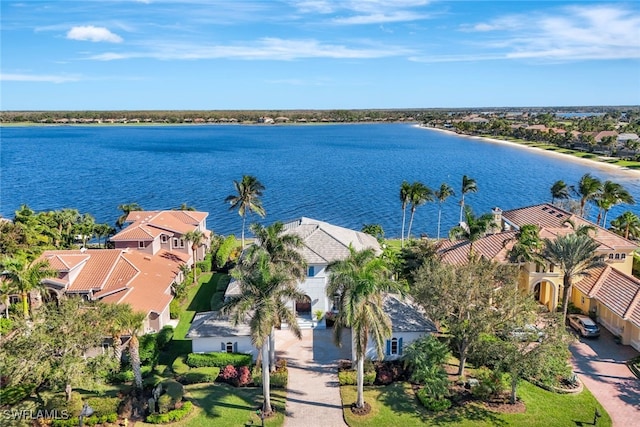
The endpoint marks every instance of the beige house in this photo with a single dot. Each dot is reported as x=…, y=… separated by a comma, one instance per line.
x=610, y=293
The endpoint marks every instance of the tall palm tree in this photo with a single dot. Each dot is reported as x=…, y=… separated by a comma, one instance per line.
x=469, y=185
x=575, y=255
x=116, y=317
x=185, y=207
x=418, y=196
x=627, y=225
x=560, y=191
x=442, y=195
x=65, y=220
x=247, y=199
x=24, y=277
x=528, y=245
x=283, y=250
x=262, y=303
x=196, y=237
x=405, y=191
x=126, y=209
x=610, y=195
x=588, y=189
x=472, y=228
x=360, y=281
x=132, y=323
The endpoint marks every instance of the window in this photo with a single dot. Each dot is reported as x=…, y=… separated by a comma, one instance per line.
x=551, y=267
x=311, y=271
x=164, y=238
x=181, y=243
x=229, y=347
x=394, y=346
x=617, y=256
x=610, y=256
x=623, y=256
x=175, y=242
x=336, y=301
x=141, y=245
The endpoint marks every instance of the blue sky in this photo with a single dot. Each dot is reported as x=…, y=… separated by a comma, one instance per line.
x=317, y=54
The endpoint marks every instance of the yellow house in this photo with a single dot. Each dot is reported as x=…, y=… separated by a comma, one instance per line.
x=610, y=293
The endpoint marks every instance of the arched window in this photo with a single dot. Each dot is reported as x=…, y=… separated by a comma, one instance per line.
x=229, y=347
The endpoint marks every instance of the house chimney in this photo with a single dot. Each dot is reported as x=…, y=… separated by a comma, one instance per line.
x=497, y=218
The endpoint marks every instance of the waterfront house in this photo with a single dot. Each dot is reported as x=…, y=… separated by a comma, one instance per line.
x=611, y=293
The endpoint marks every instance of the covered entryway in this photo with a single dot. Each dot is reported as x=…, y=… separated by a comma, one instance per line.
x=545, y=293
x=303, y=306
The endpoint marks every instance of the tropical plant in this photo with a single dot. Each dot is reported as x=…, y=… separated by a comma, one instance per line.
x=262, y=303
x=627, y=225
x=116, y=317
x=360, y=281
x=24, y=277
x=560, y=191
x=405, y=192
x=103, y=231
x=247, y=199
x=126, y=210
x=588, y=189
x=472, y=229
x=610, y=195
x=469, y=185
x=575, y=255
x=185, y=207
x=374, y=230
x=132, y=324
x=196, y=238
x=442, y=194
x=418, y=196
x=528, y=245
x=425, y=357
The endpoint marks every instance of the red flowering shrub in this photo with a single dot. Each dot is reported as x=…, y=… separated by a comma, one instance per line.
x=229, y=373
x=244, y=377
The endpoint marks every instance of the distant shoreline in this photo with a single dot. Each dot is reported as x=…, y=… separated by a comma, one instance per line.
x=604, y=166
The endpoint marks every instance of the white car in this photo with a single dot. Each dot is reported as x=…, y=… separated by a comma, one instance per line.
x=526, y=333
x=584, y=325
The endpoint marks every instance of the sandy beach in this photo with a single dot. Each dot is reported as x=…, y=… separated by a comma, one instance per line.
x=631, y=173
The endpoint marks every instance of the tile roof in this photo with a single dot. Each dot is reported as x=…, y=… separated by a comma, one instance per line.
x=148, y=224
x=97, y=266
x=619, y=292
x=552, y=218
x=324, y=242
x=491, y=247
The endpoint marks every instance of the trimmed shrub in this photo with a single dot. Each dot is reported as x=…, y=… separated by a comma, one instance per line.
x=160, y=369
x=229, y=373
x=152, y=380
x=431, y=403
x=148, y=350
x=179, y=367
x=104, y=405
x=244, y=376
x=122, y=376
x=277, y=379
x=15, y=394
x=174, y=389
x=220, y=360
x=164, y=337
x=6, y=325
x=200, y=375
x=490, y=383
x=351, y=377
x=89, y=421
x=165, y=404
x=174, y=309
x=171, y=416
x=203, y=266
x=225, y=251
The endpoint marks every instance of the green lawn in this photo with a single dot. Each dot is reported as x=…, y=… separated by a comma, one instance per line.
x=223, y=405
x=396, y=404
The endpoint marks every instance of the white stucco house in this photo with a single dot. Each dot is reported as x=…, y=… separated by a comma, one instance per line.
x=323, y=243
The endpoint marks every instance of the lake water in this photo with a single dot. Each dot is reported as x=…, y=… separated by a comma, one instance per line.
x=348, y=175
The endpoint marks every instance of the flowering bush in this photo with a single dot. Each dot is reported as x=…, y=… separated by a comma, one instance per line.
x=229, y=373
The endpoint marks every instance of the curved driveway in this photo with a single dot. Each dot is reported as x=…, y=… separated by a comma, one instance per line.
x=313, y=394
x=600, y=364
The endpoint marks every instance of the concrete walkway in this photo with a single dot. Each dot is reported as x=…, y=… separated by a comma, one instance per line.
x=600, y=364
x=313, y=394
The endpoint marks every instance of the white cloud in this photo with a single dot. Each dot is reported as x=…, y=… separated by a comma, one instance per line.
x=94, y=34
x=271, y=49
x=380, y=18
x=362, y=12
x=45, y=78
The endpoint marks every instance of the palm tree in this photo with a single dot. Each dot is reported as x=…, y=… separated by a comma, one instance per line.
x=132, y=323
x=185, y=207
x=360, y=281
x=283, y=250
x=25, y=277
x=196, y=237
x=103, y=230
x=575, y=255
x=627, y=225
x=528, y=245
x=442, y=194
x=405, y=191
x=468, y=186
x=117, y=317
x=247, y=199
x=560, y=191
x=126, y=210
x=610, y=195
x=65, y=220
x=588, y=189
x=418, y=196
x=472, y=229
x=262, y=303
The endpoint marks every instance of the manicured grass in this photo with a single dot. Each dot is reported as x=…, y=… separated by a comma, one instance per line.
x=396, y=404
x=224, y=405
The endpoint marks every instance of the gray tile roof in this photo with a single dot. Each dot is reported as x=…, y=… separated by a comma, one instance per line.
x=212, y=324
x=407, y=316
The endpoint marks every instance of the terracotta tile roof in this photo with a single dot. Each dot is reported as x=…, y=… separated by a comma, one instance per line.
x=137, y=232
x=95, y=271
x=65, y=261
x=492, y=247
x=604, y=134
x=619, y=292
x=147, y=225
x=552, y=218
x=123, y=273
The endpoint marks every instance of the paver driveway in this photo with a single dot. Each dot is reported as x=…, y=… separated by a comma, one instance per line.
x=313, y=393
x=600, y=364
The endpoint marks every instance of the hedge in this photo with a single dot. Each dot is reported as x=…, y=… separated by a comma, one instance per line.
x=219, y=360
x=432, y=403
x=164, y=337
x=200, y=375
x=351, y=377
x=277, y=379
x=179, y=367
x=171, y=416
x=104, y=405
x=88, y=421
